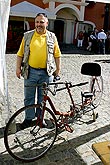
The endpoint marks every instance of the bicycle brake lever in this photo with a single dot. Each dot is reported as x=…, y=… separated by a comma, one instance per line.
x=56, y=78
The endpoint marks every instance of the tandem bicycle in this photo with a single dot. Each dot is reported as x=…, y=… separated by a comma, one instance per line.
x=35, y=141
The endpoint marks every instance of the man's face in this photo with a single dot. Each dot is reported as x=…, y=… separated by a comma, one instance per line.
x=41, y=24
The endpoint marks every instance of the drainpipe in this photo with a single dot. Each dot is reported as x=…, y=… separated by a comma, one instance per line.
x=106, y=17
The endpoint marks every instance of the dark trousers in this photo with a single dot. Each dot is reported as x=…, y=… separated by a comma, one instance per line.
x=101, y=47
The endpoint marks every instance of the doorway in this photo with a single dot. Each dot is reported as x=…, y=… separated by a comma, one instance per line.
x=59, y=30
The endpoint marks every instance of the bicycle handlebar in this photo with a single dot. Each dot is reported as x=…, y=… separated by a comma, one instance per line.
x=71, y=86
x=62, y=82
x=56, y=83
x=65, y=83
x=56, y=78
x=46, y=86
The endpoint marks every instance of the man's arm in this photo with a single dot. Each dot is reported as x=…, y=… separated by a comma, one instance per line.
x=58, y=64
x=18, y=66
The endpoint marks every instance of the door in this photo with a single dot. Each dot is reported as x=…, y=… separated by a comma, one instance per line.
x=59, y=30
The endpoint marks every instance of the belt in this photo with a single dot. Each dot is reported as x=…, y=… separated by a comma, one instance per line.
x=38, y=68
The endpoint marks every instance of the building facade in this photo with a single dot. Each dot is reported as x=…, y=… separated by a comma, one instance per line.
x=65, y=19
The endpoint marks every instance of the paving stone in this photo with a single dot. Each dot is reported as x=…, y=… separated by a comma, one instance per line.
x=70, y=148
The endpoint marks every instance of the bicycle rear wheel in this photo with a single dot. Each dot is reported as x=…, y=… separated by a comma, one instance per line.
x=96, y=88
x=31, y=143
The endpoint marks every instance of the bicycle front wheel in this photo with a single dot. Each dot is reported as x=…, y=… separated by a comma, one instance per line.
x=33, y=142
x=96, y=88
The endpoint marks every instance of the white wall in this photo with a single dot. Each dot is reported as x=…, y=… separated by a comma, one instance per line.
x=69, y=32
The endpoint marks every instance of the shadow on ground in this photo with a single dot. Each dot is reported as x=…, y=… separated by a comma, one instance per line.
x=63, y=153
x=103, y=61
x=72, y=49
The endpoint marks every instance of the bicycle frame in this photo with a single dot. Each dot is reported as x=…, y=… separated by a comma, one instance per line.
x=63, y=115
x=47, y=98
x=41, y=133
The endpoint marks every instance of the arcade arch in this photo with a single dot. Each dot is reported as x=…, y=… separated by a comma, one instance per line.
x=68, y=23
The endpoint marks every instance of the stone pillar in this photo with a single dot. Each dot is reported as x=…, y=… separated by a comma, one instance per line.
x=51, y=6
x=82, y=11
x=69, y=31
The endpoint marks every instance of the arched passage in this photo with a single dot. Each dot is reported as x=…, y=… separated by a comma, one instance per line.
x=59, y=30
x=64, y=25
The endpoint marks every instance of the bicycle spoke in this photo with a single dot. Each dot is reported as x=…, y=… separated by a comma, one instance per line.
x=33, y=142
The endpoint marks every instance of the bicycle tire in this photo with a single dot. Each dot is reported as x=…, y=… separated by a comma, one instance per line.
x=32, y=143
x=96, y=87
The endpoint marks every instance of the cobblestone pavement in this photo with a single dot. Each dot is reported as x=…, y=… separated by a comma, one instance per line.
x=70, y=148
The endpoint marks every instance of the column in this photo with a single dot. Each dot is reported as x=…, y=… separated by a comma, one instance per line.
x=82, y=11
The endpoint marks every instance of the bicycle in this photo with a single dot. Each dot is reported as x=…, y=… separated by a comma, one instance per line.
x=35, y=141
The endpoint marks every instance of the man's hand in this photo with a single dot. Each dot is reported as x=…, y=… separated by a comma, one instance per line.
x=56, y=73
x=18, y=66
x=18, y=72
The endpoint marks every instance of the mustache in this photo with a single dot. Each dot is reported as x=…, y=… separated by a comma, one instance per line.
x=39, y=26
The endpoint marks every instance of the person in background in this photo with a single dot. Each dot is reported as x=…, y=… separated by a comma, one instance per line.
x=95, y=44
x=91, y=39
x=96, y=32
x=80, y=39
x=101, y=40
x=107, y=43
x=85, y=40
x=40, y=54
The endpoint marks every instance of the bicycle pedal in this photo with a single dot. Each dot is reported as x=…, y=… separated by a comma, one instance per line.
x=68, y=128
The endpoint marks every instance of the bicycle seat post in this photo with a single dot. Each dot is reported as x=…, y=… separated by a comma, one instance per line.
x=70, y=95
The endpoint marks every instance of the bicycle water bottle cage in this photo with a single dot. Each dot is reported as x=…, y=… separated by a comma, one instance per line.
x=91, y=69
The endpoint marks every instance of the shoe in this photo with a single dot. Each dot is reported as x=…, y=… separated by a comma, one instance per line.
x=44, y=124
x=25, y=124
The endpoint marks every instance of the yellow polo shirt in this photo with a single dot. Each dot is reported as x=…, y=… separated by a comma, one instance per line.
x=38, y=50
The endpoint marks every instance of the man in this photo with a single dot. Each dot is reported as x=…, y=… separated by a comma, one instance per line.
x=91, y=39
x=80, y=39
x=101, y=39
x=95, y=43
x=40, y=53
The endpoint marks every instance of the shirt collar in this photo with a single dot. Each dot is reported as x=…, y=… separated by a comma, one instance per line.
x=38, y=35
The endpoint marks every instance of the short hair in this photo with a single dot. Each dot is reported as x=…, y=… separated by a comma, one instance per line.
x=41, y=14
